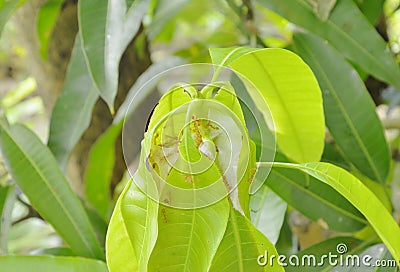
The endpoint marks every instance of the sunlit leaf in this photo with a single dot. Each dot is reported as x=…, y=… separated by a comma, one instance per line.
x=293, y=96
x=119, y=250
x=241, y=247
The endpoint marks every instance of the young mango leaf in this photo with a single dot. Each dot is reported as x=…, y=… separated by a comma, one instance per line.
x=119, y=250
x=268, y=212
x=97, y=183
x=224, y=56
x=73, y=109
x=348, y=30
x=242, y=247
x=317, y=201
x=188, y=239
x=36, y=172
x=46, y=19
x=106, y=28
x=50, y=264
x=358, y=195
x=357, y=130
x=292, y=93
x=139, y=213
x=7, y=8
x=7, y=199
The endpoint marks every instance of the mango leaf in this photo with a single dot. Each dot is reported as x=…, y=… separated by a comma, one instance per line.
x=358, y=195
x=268, y=212
x=36, y=172
x=373, y=10
x=316, y=200
x=224, y=56
x=316, y=252
x=293, y=96
x=188, y=239
x=241, y=247
x=97, y=183
x=7, y=200
x=357, y=130
x=46, y=19
x=50, y=264
x=73, y=109
x=106, y=28
x=139, y=213
x=348, y=30
x=119, y=250
x=7, y=8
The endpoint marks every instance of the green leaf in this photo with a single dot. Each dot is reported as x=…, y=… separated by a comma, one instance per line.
x=356, y=130
x=358, y=195
x=7, y=8
x=7, y=199
x=97, y=183
x=293, y=96
x=241, y=246
x=139, y=213
x=224, y=56
x=46, y=19
x=348, y=30
x=106, y=28
x=50, y=264
x=73, y=109
x=36, y=172
x=268, y=212
x=119, y=250
x=373, y=10
x=188, y=239
x=316, y=200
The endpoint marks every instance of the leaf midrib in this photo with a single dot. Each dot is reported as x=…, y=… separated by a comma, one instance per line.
x=236, y=234
x=345, y=115
x=346, y=36
x=323, y=200
x=48, y=186
x=283, y=104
